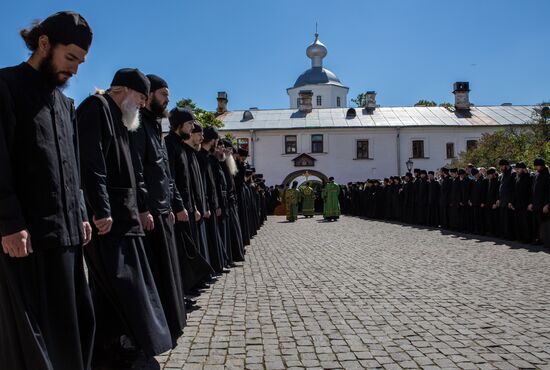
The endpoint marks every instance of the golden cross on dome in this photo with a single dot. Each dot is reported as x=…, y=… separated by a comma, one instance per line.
x=306, y=175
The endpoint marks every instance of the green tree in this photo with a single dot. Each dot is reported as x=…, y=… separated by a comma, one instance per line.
x=425, y=103
x=360, y=100
x=205, y=118
x=446, y=105
x=523, y=143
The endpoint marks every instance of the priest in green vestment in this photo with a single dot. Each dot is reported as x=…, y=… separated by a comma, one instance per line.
x=308, y=200
x=292, y=198
x=330, y=195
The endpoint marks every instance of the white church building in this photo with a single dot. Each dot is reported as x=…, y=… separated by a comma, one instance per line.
x=319, y=135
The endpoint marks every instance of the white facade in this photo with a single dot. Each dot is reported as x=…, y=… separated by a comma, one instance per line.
x=389, y=150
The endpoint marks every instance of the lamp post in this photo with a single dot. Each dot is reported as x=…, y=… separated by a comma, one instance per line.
x=409, y=164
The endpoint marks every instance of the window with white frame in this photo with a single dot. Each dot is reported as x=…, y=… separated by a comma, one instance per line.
x=317, y=143
x=362, y=149
x=418, y=149
x=450, y=149
x=291, y=144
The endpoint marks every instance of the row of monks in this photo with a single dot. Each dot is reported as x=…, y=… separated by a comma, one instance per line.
x=155, y=218
x=512, y=203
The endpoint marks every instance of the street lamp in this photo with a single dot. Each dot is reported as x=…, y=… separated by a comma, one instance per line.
x=409, y=164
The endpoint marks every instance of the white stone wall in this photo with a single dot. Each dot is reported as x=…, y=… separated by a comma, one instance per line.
x=267, y=152
x=328, y=94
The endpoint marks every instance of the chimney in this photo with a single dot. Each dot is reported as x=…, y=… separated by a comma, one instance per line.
x=305, y=105
x=222, y=103
x=462, y=95
x=370, y=100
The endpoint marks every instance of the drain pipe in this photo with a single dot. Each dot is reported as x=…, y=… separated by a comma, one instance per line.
x=252, y=139
x=398, y=149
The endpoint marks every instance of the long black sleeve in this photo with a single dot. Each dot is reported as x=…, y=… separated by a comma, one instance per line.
x=11, y=215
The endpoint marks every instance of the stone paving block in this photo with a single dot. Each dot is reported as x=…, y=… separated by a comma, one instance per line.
x=369, y=294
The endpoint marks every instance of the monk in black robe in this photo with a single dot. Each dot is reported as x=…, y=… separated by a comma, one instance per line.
x=432, y=217
x=228, y=169
x=46, y=314
x=130, y=320
x=445, y=198
x=158, y=202
x=191, y=144
x=540, y=203
x=215, y=242
x=491, y=203
x=194, y=267
x=505, y=198
x=478, y=189
x=523, y=192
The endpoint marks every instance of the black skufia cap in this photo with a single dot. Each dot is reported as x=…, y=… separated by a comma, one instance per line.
x=68, y=28
x=242, y=152
x=196, y=128
x=132, y=78
x=503, y=162
x=180, y=115
x=210, y=133
x=521, y=165
x=539, y=162
x=474, y=171
x=156, y=82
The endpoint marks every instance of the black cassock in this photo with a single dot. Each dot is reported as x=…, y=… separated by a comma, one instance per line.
x=194, y=267
x=198, y=193
x=506, y=196
x=455, y=221
x=478, y=189
x=242, y=202
x=157, y=194
x=215, y=242
x=523, y=189
x=540, y=199
x=46, y=314
x=423, y=189
x=432, y=217
x=408, y=202
x=125, y=296
x=445, y=200
x=492, y=214
x=235, y=233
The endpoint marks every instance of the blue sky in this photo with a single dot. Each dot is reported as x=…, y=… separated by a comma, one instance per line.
x=406, y=50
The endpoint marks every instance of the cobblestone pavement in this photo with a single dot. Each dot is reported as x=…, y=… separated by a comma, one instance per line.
x=361, y=294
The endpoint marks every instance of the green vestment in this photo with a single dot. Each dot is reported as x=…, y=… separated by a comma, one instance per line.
x=330, y=195
x=308, y=201
x=291, y=198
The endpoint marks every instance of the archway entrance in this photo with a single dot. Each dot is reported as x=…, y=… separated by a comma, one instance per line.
x=305, y=175
x=315, y=179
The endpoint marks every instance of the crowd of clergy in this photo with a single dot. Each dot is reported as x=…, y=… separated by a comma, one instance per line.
x=510, y=203
x=155, y=218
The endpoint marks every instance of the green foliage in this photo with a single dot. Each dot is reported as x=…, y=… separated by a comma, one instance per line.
x=446, y=105
x=515, y=144
x=425, y=103
x=229, y=136
x=360, y=100
x=204, y=117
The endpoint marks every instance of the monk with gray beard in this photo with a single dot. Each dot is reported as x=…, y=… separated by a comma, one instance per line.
x=131, y=325
x=228, y=167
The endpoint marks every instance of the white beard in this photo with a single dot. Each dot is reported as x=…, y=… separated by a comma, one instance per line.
x=130, y=115
x=231, y=165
